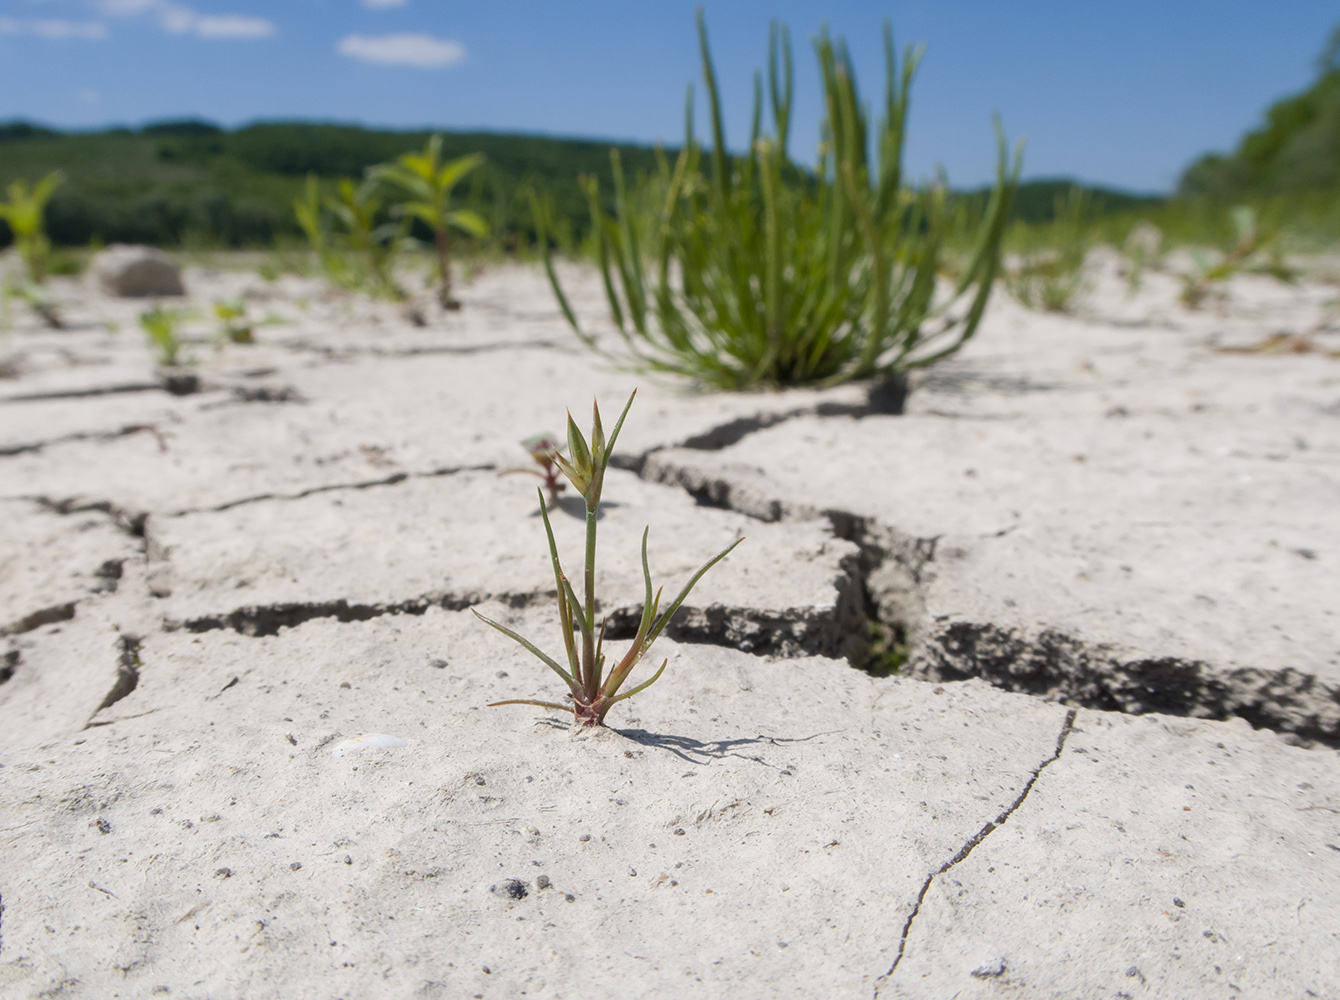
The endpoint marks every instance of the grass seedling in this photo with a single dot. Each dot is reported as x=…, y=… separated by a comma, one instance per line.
x=543, y=448
x=1049, y=273
x=162, y=326
x=593, y=691
x=748, y=271
x=427, y=183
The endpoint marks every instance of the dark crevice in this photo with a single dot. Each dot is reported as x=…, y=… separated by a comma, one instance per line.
x=897, y=636
x=350, y=353
x=129, y=521
x=126, y=431
x=9, y=663
x=1058, y=666
x=267, y=620
x=46, y=616
x=972, y=843
x=391, y=480
x=101, y=390
x=127, y=673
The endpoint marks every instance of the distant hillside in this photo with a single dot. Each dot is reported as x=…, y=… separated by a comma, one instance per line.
x=1296, y=150
x=192, y=182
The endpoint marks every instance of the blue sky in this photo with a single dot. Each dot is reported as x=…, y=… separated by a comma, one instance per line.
x=1117, y=93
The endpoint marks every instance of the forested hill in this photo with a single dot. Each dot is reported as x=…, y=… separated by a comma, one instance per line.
x=186, y=181
x=192, y=182
x=1296, y=150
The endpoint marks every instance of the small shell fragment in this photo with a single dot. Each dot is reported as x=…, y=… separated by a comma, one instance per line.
x=379, y=741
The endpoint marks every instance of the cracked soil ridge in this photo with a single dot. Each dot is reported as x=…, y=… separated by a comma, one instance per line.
x=991, y=825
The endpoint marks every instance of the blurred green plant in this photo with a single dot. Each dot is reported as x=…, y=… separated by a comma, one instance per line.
x=1048, y=271
x=1253, y=250
x=376, y=244
x=163, y=327
x=427, y=183
x=1143, y=250
x=235, y=326
x=751, y=272
x=25, y=213
x=593, y=692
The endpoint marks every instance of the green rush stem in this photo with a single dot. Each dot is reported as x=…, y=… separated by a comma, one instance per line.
x=591, y=677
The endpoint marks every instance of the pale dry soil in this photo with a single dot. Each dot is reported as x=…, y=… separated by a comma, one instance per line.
x=1107, y=769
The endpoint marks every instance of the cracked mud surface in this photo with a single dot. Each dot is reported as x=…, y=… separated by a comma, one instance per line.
x=202, y=595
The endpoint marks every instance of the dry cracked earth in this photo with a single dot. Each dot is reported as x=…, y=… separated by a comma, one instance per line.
x=1104, y=548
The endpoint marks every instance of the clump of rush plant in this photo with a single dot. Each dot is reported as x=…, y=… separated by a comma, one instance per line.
x=1049, y=270
x=593, y=691
x=543, y=449
x=1252, y=250
x=163, y=329
x=749, y=271
x=426, y=183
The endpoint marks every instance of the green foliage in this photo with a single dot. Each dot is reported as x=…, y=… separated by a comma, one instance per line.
x=163, y=329
x=426, y=184
x=1296, y=149
x=593, y=691
x=1253, y=249
x=235, y=327
x=745, y=272
x=1048, y=270
x=25, y=213
x=374, y=244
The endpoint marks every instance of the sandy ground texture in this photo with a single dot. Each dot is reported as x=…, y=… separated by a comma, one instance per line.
x=1106, y=544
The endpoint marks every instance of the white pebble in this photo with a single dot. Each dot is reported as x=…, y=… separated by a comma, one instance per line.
x=380, y=741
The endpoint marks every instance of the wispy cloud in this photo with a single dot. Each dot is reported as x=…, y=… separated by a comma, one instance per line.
x=381, y=4
x=416, y=50
x=181, y=20
x=46, y=28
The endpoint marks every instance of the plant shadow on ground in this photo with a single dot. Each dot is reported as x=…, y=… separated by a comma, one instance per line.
x=683, y=746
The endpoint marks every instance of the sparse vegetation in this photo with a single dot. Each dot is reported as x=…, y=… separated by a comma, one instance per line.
x=163, y=327
x=593, y=691
x=1048, y=270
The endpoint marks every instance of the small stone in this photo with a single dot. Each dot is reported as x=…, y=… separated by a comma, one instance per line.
x=104, y=826
x=584, y=837
x=223, y=873
x=1178, y=903
x=136, y=272
x=512, y=888
x=990, y=970
x=679, y=831
x=543, y=882
x=295, y=866
x=348, y=860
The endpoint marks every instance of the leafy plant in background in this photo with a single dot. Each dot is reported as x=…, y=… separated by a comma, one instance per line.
x=428, y=182
x=310, y=213
x=163, y=328
x=1252, y=250
x=750, y=272
x=593, y=691
x=357, y=207
x=1049, y=271
x=543, y=448
x=25, y=212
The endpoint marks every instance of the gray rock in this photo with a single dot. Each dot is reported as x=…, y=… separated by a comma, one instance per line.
x=137, y=272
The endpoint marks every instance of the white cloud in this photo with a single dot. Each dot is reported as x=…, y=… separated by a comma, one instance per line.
x=418, y=51
x=180, y=20
x=382, y=4
x=52, y=29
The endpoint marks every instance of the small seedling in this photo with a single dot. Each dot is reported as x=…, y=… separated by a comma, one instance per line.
x=1252, y=251
x=543, y=448
x=236, y=327
x=427, y=182
x=162, y=327
x=593, y=692
x=25, y=213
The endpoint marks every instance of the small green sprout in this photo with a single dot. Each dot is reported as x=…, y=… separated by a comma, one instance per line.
x=237, y=328
x=162, y=327
x=593, y=692
x=543, y=448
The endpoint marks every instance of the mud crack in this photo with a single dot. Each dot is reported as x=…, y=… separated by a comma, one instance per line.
x=391, y=480
x=127, y=675
x=266, y=620
x=971, y=844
